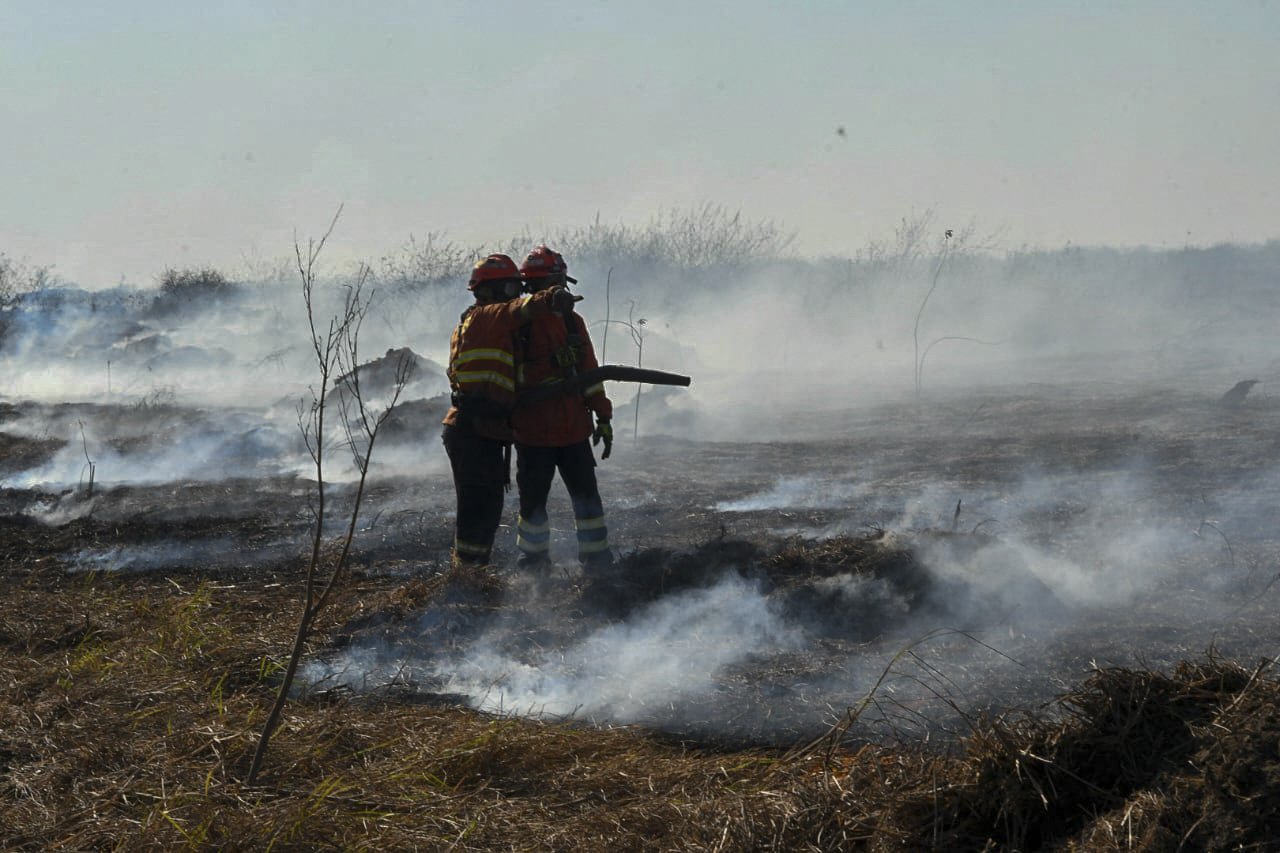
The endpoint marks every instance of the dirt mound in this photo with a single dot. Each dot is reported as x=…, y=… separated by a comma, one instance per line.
x=378, y=377
x=1234, y=397
x=415, y=420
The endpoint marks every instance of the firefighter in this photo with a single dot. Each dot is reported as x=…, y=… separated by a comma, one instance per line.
x=557, y=434
x=482, y=375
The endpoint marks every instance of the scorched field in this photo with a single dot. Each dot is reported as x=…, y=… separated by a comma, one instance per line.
x=1027, y=606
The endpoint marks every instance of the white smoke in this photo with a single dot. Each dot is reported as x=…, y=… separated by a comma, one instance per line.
x=631, y=671
x=1051, y=533
x=799, y=493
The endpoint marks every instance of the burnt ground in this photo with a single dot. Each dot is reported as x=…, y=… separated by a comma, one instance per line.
x=902, y=572
x=1011, y=539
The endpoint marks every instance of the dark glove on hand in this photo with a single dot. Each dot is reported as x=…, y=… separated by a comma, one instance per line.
x=562, y=300
x=603, y=432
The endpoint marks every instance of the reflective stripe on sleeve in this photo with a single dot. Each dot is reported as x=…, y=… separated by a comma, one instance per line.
x=476, y=354
x=504, y=382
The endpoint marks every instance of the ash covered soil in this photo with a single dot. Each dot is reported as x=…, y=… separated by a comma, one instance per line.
x=904, y=568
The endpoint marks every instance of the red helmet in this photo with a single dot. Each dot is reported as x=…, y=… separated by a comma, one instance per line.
x=543, y=262
x=495, y=268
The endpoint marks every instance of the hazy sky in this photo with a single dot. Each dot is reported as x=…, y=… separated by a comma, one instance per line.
x=140, y=135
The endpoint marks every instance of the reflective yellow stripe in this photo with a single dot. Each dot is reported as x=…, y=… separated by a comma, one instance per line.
x=469, y=548
x=593, y=547
x=504, y=382
x=475, y=354
x=598, y=388
x=532, y=547
x=529, y=527
x=590, y=523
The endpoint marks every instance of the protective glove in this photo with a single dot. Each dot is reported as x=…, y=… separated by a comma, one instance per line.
x=603, y=432
x=562, y=300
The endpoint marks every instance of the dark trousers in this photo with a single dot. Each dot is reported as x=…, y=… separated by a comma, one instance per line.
x=480, y=467
x=535, y=469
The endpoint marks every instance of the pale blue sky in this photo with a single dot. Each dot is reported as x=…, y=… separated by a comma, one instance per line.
x=140, y=135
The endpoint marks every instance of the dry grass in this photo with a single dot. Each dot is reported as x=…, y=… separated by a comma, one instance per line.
x=129, y=708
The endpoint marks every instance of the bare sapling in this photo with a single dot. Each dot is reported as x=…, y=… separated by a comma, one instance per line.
x=636, y=327
x=910, y=236
x=336, y=351
x=1206, y=522
x=915, y=335
x=89, y=464
x=361, y=424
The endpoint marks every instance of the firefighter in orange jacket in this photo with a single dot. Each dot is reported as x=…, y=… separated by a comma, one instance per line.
x=477, y=433
x=557, y=433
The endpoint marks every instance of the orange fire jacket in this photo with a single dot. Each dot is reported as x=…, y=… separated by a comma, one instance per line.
x=483, y=353
x=549, y=357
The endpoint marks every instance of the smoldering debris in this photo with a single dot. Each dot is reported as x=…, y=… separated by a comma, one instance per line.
x=71, y=506
x=732, y=639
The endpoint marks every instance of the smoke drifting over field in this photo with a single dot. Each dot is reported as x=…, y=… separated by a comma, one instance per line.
x=742, y=658
x=1047, y=446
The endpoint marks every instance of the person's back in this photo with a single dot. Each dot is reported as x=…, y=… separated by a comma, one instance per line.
x=482, y=368
x=555, y=434
x=556, y=349
x=477, y=432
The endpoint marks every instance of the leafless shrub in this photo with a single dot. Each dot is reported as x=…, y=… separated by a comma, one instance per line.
x=194, y=288
x=159, y=397
x=426, y=270
x=912, y=250
x=335, y=348
x=18, y=277
x=260, y=270
x=703, y=237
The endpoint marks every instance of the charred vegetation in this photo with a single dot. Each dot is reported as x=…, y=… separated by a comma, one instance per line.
x=1024, y=614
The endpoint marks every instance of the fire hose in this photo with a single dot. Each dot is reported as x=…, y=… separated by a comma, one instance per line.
x=604, y=373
